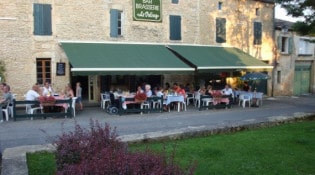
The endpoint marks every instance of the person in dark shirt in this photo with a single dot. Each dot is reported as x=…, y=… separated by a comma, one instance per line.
x=246, y=87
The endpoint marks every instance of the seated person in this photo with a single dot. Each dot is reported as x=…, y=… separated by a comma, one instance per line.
x=139, y=90
x=181, y=91
x=32, y=94
x=47, y=89
x=209, y=91
x=227, y=91
x=188, y=88
x=69, y=92
x=159, y=91
x=148, y=91
x=202, y=90
x=176, y=88
x=5, y=99
x=246, y=87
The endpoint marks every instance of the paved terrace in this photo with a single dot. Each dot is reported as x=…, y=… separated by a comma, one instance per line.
x=24, y=135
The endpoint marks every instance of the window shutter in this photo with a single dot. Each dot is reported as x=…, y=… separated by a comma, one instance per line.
x=42, y=19
x=47, y=19
x=279, y=42
x=175, y=27
x=290, y=47
x=257, y=33
x=175, y=1
x=113, y=23
x=220, y=30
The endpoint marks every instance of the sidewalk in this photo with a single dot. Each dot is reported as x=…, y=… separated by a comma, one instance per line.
x=135, y=127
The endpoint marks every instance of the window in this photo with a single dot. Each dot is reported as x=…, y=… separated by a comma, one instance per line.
x=257, y=33
x=220, y=30
x=42, y=19
x=43, y=70
x=285, y=44
x=220, y=5
x=305, y=47
x=175, y=27
x=257, y=11
x=115, y=23
x=175, y=1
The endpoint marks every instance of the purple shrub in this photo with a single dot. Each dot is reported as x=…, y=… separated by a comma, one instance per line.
x=98, y=151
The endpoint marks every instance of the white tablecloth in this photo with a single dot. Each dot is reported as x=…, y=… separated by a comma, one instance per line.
x=171, y=99
x=253, y=95
x=179, y=98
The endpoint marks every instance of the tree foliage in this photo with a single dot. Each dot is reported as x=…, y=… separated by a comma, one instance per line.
x=301, y=8
x=2, y=71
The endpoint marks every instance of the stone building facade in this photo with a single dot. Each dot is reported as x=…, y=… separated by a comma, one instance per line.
x=89, y=21
x=294, y=72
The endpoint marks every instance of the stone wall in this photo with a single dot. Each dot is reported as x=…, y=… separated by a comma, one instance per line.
x=89, y=20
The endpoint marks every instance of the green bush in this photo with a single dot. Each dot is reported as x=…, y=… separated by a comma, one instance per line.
x=2, y=70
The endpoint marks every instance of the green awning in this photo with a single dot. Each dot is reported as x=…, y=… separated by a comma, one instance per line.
x=122, y=59
x=214, y=58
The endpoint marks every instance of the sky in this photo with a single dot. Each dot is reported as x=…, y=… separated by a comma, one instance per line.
x=282, y=14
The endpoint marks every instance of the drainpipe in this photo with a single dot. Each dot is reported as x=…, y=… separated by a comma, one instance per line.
x=274, y=61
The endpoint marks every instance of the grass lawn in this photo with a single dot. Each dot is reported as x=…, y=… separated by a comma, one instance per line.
x=284, y=149
x=41, y=163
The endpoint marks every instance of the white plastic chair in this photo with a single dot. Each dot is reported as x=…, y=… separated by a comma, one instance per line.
x=73, y=105
x=207, y=101
x=32, y=110
x=244, y=98
x=197, y=99
x=105, y=100
x=156, y=104
x=183, y=104
x=145, y=105
x=6, y=112
x=189, y=96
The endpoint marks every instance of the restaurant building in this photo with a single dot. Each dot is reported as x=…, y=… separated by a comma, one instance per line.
x=109, y=44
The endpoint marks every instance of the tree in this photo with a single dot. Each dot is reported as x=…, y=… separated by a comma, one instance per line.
x=301, y=8
x=2, y=71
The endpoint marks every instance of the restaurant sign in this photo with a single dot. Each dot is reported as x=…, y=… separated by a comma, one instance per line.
x=147, y=10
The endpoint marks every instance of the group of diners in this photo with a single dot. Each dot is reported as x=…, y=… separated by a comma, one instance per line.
x=226, y=96
x=157, y=91
x=37, y=91
x=231, y=94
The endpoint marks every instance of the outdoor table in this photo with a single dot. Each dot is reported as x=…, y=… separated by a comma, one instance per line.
x=253, y=95
x=49, y=107
x=219, y=98
x=175, y=98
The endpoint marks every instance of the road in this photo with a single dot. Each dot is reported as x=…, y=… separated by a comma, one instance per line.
x=136, y=126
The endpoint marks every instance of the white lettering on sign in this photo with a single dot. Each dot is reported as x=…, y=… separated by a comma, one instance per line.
x=148, y=15
x=147, y=7
x=147, y=1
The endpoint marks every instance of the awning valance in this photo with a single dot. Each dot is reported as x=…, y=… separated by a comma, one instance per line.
x=122, y=59
x=213, y=58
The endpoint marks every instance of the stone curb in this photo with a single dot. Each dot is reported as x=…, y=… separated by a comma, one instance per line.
x=14, y=159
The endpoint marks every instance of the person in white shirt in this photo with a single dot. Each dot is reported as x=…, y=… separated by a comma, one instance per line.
x=47, y=89
x=227, y=91
x=148, y=91
x=32, y=94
